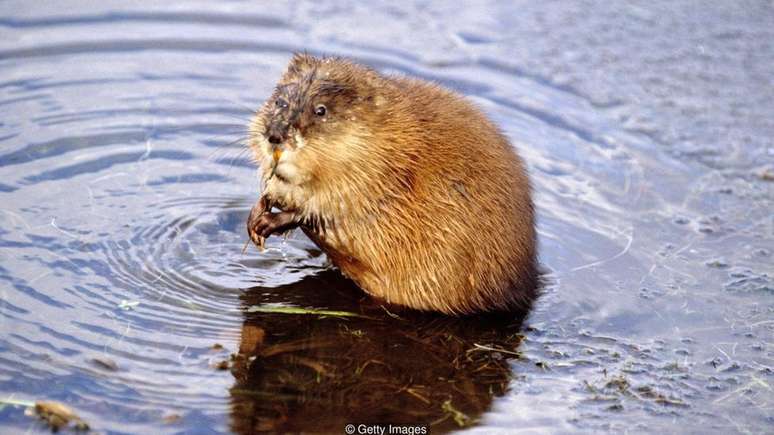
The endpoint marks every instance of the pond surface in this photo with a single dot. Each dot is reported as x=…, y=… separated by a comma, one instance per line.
x=125, y=184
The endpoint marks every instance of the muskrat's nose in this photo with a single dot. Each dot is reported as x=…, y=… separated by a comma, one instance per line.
x=276, y=133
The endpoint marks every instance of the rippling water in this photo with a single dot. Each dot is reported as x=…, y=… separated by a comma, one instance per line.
x=124, y=187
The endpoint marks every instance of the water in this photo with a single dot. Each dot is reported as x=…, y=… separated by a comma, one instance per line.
x=124, y=189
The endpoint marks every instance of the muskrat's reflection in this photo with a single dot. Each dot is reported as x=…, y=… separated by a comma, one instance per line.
x=312, y=373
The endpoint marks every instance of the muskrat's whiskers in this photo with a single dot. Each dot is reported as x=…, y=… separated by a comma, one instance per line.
x=241, y=153
x=241, y=134
x=241, y=140
x=238, y=118
x=252, y=110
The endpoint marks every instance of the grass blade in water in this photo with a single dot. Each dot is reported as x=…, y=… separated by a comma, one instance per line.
x=276, y=309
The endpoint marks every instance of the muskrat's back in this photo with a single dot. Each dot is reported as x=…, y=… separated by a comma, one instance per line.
x=431, y=210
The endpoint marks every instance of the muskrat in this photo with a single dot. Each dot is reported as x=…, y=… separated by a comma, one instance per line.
x=407, y=187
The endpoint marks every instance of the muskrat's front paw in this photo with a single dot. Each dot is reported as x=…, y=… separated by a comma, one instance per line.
x=259, y=209
x=262, y=222
x=271, y=223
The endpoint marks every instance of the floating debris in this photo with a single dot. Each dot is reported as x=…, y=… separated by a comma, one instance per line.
x=542, y=364
x=57, y=415
x=460, y=418
x=619, y=383
x=105, y=363
x=171, y=418
x=477, y=346
x=221, y=365
x=718, y=263
x=766, y=173
x=127, y=305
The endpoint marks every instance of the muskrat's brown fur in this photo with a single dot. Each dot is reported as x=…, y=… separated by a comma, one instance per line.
x=408, y=188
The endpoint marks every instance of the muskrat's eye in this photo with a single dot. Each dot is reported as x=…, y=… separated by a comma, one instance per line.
x=279, y=102
x=320, y=110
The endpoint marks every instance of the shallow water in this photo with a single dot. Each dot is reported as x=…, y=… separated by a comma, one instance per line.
x=124, y=188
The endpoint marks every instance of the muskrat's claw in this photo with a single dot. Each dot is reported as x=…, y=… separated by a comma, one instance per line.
x=260, y=207
x=262, y=222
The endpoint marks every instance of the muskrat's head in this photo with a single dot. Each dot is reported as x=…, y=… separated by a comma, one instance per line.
x=315, y=124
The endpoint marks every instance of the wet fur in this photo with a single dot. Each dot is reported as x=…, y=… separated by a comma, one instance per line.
x=411, y=191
